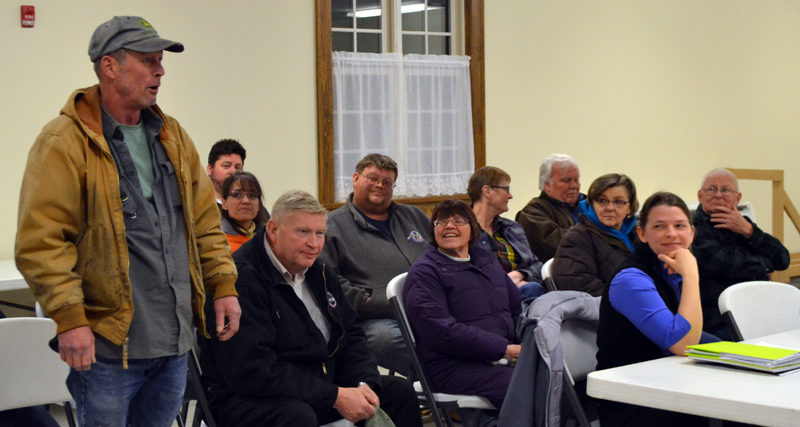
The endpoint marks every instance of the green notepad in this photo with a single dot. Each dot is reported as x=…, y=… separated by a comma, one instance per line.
x=746, y=350
x=759, y=357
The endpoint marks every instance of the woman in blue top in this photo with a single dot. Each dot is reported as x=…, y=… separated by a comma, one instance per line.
x=652, y=308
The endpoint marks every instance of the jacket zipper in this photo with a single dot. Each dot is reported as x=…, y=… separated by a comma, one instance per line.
x=125, y=353
x=341, y=336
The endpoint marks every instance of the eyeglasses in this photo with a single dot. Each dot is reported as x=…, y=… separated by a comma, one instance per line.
x=456, y=220
x=238, y=195
x=502, y=187
x=615, y=203
x=724, y=191
x=374, y=180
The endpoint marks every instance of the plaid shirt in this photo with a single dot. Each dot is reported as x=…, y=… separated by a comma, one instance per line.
x=513, y=234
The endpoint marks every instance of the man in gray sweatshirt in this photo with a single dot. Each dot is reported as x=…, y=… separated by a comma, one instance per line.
x=371, y=240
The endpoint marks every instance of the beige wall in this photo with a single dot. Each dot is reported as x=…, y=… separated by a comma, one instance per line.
x=247, y=73
x=660, y=90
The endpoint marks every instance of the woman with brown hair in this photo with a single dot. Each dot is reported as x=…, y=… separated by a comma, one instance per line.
x=489, y=190
x=604, y=236
x=651, y=308
x=242, y=215
x=463, y=308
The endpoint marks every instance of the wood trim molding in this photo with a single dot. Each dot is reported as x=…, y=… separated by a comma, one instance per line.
x=474, y=47
x=780, y=204
x=324, y=59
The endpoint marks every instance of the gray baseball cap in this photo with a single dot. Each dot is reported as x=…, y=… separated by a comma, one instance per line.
x=128, y=32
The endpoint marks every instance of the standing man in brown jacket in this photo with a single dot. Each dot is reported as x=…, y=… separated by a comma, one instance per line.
x=118, y=236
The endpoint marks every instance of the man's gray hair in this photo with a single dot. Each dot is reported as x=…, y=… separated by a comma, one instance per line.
x=562, y=161
x=120, y=55
x=296, y=200
x=720, y=171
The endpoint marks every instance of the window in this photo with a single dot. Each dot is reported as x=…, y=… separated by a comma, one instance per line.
x=413, y=108
x=358, y=25
x=472, y=11
x=407, y=26
x=427, y=27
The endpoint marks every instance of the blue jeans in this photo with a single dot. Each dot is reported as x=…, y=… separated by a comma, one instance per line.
x=148, y=393
x=385, y=342
x=532, y=290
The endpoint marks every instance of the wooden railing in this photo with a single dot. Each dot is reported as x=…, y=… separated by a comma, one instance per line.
x=780, y=204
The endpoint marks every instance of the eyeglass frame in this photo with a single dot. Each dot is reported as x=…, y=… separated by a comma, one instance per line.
x=725, y=192
x=443, y=222
x=239, y=195
x=502, y=187
x=617, y=204
x=375, y=181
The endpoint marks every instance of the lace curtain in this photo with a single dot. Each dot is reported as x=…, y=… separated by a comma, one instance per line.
x=415, y=109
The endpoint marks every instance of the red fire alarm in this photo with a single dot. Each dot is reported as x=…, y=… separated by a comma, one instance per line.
x=28, y=15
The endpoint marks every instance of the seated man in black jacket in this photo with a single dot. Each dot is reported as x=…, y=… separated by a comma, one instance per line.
x=729, y=248
x=299, y=359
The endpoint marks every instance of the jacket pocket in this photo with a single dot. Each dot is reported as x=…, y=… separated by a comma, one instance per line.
x=101, y=279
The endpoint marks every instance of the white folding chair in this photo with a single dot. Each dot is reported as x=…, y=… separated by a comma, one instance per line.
x=341, y=423
x=394, y=293
x=579, y=347
x=759, y=308
x=30, y=372
x=547, y=276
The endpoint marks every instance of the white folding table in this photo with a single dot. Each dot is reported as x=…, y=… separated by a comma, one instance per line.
x=678, y=384
x=11, y=280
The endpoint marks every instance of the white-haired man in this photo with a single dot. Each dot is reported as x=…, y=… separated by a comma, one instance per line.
x=547, y=218
x=300, y=358
x=729, y=248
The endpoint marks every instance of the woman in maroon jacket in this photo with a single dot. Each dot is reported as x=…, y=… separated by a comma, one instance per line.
x=463, y=308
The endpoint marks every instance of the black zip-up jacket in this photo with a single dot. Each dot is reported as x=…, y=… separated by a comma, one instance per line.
x=619, y=342
x=725, y=258
x=279, y=351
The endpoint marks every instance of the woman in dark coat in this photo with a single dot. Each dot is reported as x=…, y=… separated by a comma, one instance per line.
x=592, y=249
x=462, y=307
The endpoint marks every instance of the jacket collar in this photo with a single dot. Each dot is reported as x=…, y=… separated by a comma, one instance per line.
x=358, y=217
x=83, y=107
x=625, y=234
x=701, y=215
x=559, y=203
x=478, y=257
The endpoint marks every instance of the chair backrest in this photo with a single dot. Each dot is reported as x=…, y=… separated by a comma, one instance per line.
x=546, y=269
x=760, y=308
x=30, y=372
x=547, y=276
x=394, y=293
x=395, y=290
x=579, y=346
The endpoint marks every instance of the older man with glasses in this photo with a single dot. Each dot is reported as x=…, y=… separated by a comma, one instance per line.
x=728, y=246
x=370, y=240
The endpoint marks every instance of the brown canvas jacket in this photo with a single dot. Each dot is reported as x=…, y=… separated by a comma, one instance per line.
x=70, y=244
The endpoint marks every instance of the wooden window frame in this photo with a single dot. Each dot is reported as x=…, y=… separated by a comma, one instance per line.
x=473, y=47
